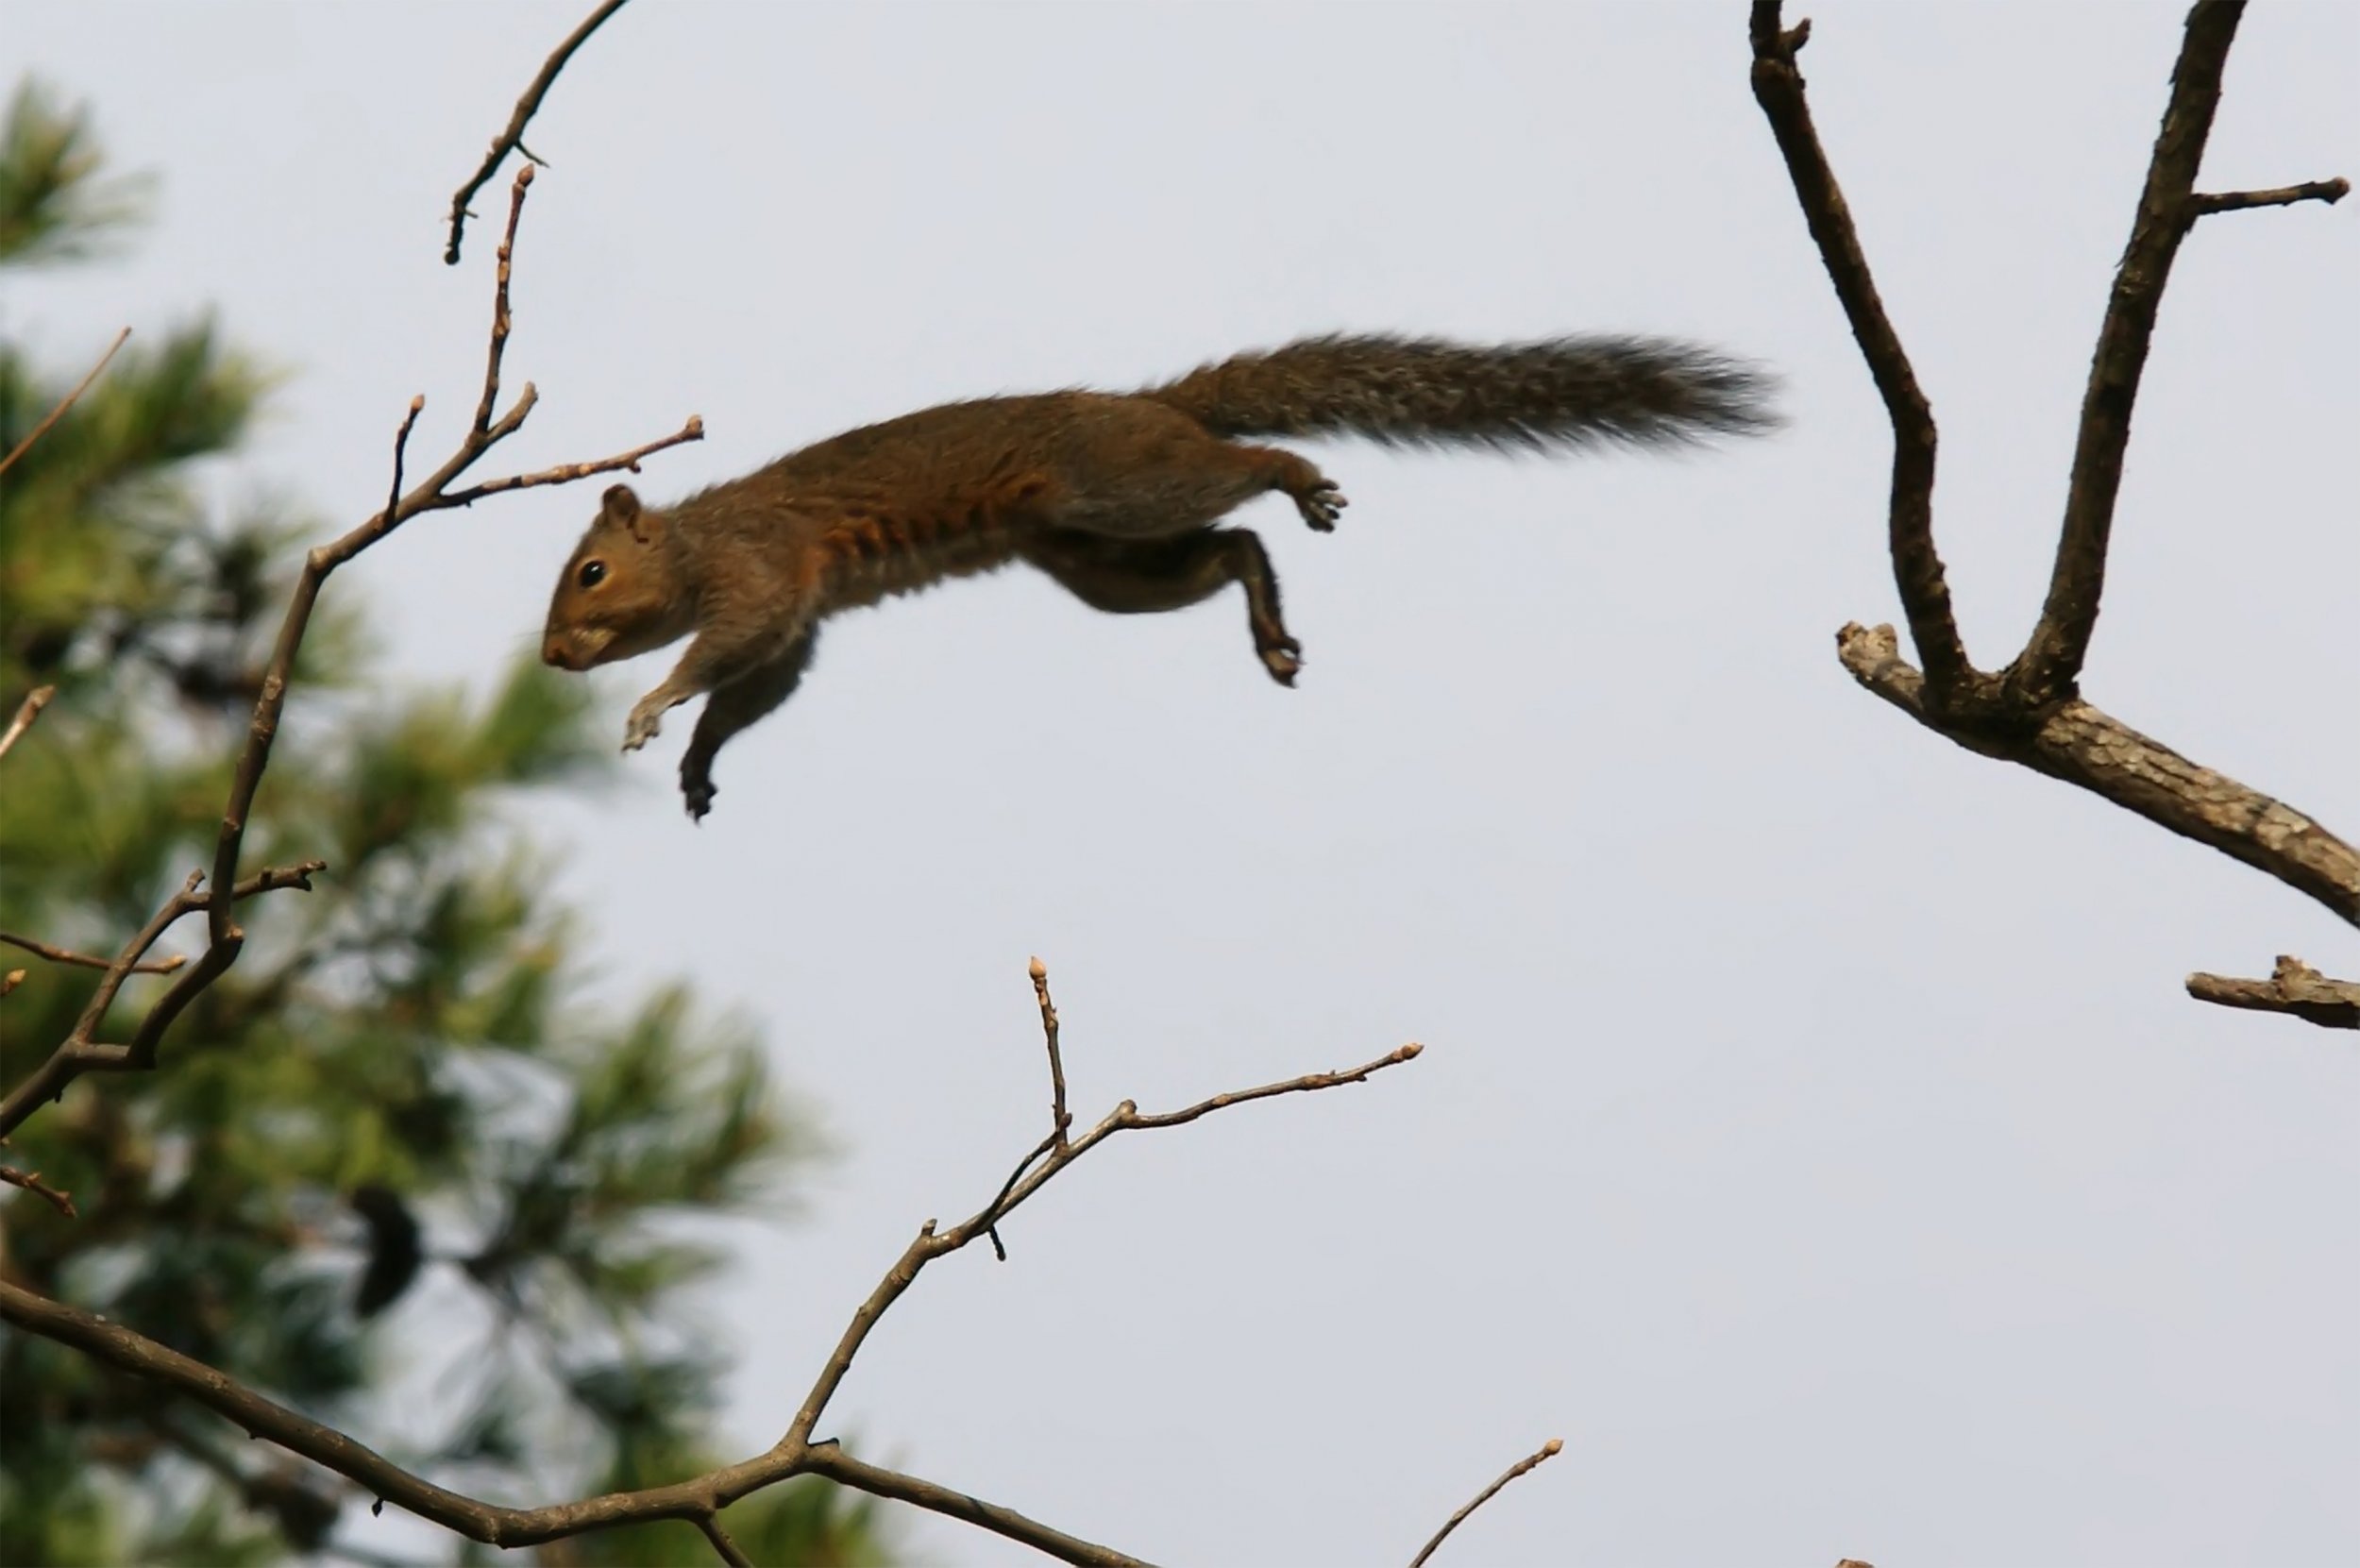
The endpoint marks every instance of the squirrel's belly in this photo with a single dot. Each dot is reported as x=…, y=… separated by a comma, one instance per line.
x=858, y=578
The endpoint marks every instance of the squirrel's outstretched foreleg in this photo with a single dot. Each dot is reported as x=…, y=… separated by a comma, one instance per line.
x=733, y=706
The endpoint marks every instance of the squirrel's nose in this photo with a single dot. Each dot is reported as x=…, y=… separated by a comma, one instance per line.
x=554, y=652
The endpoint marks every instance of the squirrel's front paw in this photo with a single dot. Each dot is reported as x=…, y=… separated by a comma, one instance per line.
x=1321, y=505
x=645, y=723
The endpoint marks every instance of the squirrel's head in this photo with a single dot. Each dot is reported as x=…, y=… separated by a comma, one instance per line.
x=621, y=594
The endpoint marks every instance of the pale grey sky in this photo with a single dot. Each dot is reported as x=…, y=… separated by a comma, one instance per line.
x=1811, y=1132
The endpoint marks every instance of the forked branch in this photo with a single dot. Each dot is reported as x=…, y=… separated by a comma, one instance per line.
x=2031, y=714
x=699, y=1499
x=82, y=1051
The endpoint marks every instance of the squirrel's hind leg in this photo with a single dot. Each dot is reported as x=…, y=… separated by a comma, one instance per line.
x=1129, y=577
x=1179, y=477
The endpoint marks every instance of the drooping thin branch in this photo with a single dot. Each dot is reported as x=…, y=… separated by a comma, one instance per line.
x=27, y=711
x=90, y=961
x=1546, y=1451
x=2294, y=988
x=1917, y=571
x=59, y=412
x=513, y=136
x=2030, y=715
x=2049, y=667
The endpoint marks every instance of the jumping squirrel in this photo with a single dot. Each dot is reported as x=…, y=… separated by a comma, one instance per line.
x=1113, y=494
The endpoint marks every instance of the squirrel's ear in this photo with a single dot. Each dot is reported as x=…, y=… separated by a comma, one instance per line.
x=619, y=508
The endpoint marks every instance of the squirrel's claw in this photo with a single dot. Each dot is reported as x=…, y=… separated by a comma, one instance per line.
x=1321, y=505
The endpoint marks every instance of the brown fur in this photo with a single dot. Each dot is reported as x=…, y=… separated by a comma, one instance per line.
x=1114, y=496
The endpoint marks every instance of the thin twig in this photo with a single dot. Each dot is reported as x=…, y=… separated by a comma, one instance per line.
x=90, y=961
x=1061, y=1120
x=2294, y=988
x=2329, y=191
x=930, y=1243
x=2049, y=668
x=1546, y=1451
x=730, y=1551
x=11, y=981
x=30, y=1181
x=567, y=473
x=27, y=711
x=992, y=1209
x=63, y=403
x=826, y=1458
x=515, y=135
x=80, y=1051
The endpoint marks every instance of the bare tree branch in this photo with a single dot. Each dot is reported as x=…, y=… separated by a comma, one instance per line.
x=89, y=961
x=2050, y=666
x=697, y=1500
x=827, y=1458
x=930, y=1243
x=27, y=711
x=52, y=417
x=1548, y=1450
x=513, y=136
x=1916, y=564
x=2294, y=988
x=2077, y=744
x=57, y=1198
x=82, y=1051
x=2032, y=714
x=2329, y=191
x=1061, y=1120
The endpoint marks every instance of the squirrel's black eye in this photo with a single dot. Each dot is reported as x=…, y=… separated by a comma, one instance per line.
x=592, y=574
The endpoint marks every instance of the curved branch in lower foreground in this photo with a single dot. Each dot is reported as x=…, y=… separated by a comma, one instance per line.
x=2077, y=744
x=699, y=1499
x=2294, y=988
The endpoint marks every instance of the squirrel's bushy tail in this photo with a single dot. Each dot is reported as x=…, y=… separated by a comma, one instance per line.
x=1430, y=391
